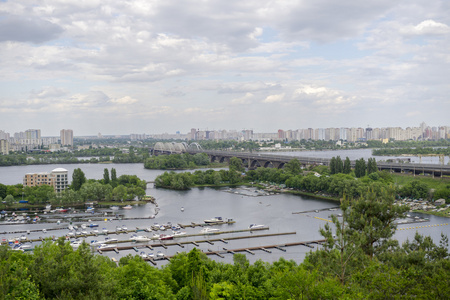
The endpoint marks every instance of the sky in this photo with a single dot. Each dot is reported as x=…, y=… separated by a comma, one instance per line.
x=161, y=66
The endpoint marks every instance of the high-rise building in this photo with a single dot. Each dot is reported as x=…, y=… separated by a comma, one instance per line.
x=4, y=146
x=66, y=137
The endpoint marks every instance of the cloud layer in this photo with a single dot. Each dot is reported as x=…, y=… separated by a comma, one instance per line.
x=164, y=66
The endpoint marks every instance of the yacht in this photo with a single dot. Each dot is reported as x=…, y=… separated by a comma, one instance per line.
x=140, y=238
x=254, y=226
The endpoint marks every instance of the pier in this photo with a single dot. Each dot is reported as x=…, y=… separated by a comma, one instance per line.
x=196, y=243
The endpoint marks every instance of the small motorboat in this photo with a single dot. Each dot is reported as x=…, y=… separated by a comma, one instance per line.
x=255, y=226
x=75, y=244
x=164, y=237
x=127, y=207
x=179, y=233
x=140, y=238
x=105, y=246
x=149, y=229
x=208, y=230
x=214, y=220
x=160, y=255
x=182, y=208
x=114, y=207
x=105, y=231
x=91, y=225
x=143, y=255
x=44, y=230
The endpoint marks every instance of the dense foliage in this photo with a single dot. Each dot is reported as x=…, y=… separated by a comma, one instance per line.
x=176, y=161
x=412, y=151
x=124, y=187
x=115, y=155
x=318, y=181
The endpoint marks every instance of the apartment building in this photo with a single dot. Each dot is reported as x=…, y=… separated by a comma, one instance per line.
x=57, y=178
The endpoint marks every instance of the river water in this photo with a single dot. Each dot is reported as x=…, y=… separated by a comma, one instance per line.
x=239, y=204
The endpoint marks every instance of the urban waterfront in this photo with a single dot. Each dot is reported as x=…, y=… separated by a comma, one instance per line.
x=241, y=205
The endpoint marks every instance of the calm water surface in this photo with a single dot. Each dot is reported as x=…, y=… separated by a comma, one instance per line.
x=274, y=211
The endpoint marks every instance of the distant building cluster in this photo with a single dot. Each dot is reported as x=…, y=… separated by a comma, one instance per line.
x=58, y=179
x=423, y=132
x=31, y=140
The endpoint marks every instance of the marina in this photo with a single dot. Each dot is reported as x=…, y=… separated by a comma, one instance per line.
x=239, y=210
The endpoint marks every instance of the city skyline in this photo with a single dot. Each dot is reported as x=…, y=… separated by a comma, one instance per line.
x=155, y=67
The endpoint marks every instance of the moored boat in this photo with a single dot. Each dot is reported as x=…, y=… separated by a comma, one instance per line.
x=127, y=207
x=255, y=226
x=208, y=230
x=164, y=237
x=214, y=220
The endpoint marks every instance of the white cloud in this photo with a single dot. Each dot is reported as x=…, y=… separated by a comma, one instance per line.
x=427, y=27
x=274, y=98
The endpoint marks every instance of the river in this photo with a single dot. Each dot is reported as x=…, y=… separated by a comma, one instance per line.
x=274, y=211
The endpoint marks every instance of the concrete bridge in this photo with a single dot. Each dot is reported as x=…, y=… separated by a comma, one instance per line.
x=255, y=160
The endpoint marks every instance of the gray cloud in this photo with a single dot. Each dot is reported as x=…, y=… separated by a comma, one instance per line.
x=27, y=29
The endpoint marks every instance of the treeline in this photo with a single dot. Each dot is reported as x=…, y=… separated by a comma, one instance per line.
x=111, y=187
x=177, y=161
x=318, y=180
x=408, y=144
x=412, y=151
x=359, y=260
x=133, y=155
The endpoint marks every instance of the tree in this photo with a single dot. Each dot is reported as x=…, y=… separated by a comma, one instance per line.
x=360, y=168
x=9, y=199
x=236, y=165
x=373, y=216
x=106, y=176
x=113, y=177
x=339, y=165
x=347, y=166
x=3, y=189
x=371, y=166
x=333, y=165
x=293, y=166
x=78, y=178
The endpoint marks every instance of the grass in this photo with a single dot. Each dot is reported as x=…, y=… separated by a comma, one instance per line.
x=433, y=183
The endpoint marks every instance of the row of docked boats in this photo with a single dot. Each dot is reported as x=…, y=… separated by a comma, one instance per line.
x=157, y=256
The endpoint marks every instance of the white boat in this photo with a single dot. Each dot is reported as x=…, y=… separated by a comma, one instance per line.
x=76, y=244
x=179, y=233
x=83, y=226
x=160, y=255
x=105, y=246
x=106, y=241
x=71, y=234
x=182, y=208
x=176, y=227
x=104, y=230
x=151, y=255
x=95, y=231
x=254, y=226
x=127, y=207
x=149, y=229
x=143, y=255
x=214, y=220
x=208, y=230
x=140, y=238
x=114, y=207
x=44, y=230
x=84, y=232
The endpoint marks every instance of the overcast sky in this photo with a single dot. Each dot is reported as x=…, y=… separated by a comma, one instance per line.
x=144, y=66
